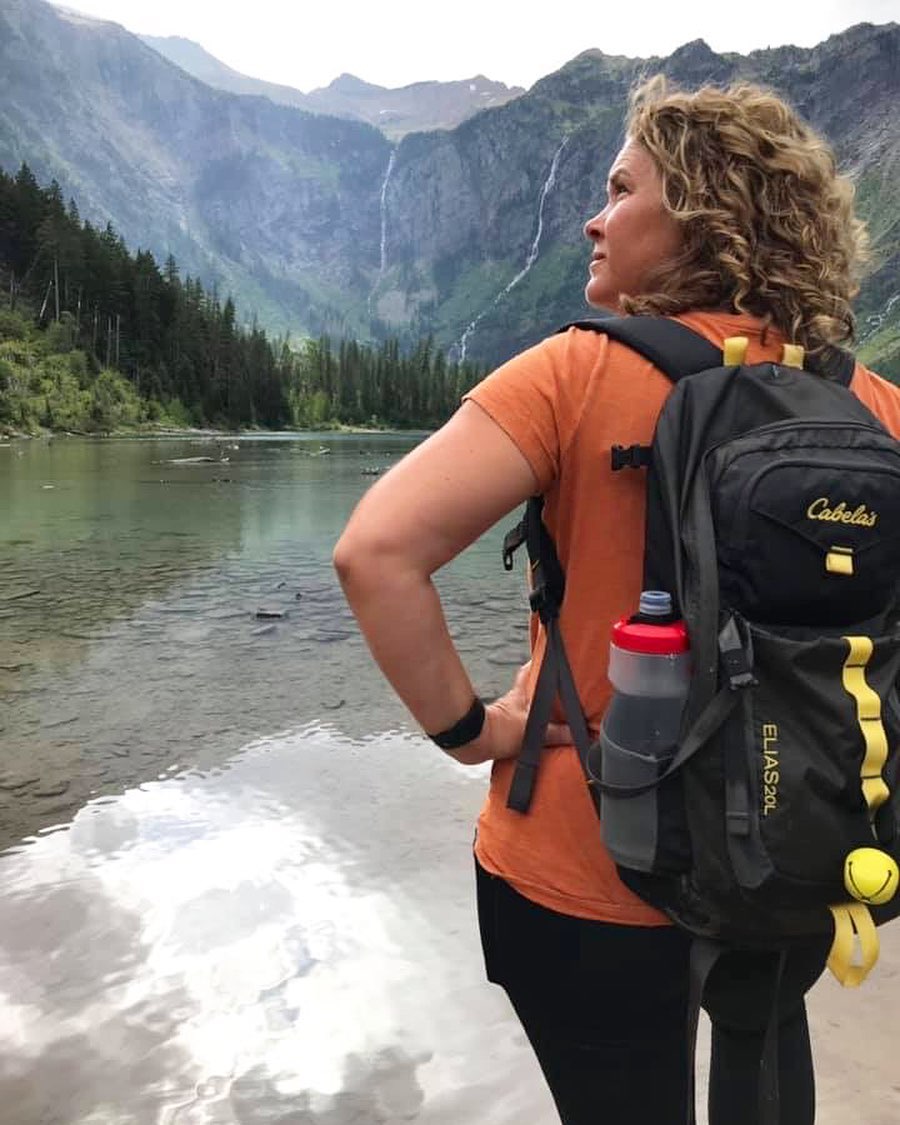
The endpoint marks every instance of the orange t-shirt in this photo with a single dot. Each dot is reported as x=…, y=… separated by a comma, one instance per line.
x=564, y=403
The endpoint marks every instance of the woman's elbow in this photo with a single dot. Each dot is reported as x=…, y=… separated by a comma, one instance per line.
x=359, y=558
x=369, y=561
x=345, y=558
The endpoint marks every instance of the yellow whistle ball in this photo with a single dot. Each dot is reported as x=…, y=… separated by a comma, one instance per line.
x=871, y=875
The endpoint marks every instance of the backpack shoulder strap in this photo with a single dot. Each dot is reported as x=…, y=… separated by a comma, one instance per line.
x=678, y=350
x=669, y=345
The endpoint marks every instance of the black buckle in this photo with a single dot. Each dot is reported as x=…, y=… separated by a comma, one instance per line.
x=630, y=457
x=542, y=603
x=512, y=541
x=736, y=654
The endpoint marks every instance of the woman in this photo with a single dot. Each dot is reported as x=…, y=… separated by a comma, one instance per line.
x=725, y=211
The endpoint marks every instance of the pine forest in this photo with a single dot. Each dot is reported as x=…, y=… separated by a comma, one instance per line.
x=95, y=339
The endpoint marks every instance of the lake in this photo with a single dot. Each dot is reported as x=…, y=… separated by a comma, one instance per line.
x=236, y=885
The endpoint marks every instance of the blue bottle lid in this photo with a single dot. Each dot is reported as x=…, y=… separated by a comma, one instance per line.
x=655, y=603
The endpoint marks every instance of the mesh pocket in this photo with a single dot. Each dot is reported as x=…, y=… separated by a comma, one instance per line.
x=646, y=832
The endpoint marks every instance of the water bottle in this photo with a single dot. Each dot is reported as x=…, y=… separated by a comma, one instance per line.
x=649, y=669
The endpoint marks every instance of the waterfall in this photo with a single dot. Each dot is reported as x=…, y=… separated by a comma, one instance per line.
x=382, y=263
x=384, y=188
x=530, y=260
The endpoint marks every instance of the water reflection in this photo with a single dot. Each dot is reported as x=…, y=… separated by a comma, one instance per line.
x=260, y=946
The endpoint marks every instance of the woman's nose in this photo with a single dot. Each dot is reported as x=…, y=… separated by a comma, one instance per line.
x=594, y=226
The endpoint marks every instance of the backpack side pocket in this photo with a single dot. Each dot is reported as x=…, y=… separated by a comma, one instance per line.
x=646, y=832
x=821, y=745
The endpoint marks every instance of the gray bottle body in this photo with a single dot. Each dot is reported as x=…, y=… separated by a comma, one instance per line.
x=638, y=739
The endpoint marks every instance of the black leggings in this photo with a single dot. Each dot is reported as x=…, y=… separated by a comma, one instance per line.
x=605, y=1009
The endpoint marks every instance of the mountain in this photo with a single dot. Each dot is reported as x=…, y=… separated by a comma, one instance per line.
x=416, y=108
x=471, y=234
x=270, y=203
x=190, y=56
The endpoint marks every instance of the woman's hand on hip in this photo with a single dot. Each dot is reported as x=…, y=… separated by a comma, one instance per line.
x=504, y=726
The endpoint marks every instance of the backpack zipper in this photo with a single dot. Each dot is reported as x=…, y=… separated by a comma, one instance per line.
x=790, y=424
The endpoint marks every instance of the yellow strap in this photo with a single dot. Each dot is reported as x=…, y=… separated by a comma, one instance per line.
x=734, y=350
x=852, y=920
x=868, y=713
x=861, y=649
x=792, y=355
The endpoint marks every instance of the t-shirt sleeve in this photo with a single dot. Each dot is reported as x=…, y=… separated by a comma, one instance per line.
x=538, y=396
x=881, y=397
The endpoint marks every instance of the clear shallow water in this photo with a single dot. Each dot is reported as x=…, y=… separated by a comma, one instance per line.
x=131, y=585
x=237, y=886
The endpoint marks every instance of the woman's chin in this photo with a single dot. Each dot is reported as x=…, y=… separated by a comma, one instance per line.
x=599, y=298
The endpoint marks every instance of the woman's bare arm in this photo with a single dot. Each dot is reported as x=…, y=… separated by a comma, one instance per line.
x=420, y=515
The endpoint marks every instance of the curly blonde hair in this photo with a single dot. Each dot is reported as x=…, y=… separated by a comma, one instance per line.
x=768, y=222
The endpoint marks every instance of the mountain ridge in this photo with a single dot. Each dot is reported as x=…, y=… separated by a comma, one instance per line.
x=396, y=111
x=322, y=224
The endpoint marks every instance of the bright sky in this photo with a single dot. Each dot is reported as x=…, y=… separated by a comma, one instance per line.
x=307, y=43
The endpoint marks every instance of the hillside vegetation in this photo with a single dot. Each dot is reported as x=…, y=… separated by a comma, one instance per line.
x=94, y=339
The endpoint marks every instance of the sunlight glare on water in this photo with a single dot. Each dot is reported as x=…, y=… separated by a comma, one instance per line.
x=244, y=947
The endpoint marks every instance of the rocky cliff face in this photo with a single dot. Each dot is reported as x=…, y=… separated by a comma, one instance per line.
x=273, y=203
x=471, y=200
x=472, y=234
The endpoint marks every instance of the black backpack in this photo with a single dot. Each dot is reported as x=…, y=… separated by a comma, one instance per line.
x=773, y=519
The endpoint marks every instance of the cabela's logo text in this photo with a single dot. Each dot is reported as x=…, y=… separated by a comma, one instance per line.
x=841, y=513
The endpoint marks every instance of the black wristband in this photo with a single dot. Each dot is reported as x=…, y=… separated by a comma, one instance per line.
x=466, y=730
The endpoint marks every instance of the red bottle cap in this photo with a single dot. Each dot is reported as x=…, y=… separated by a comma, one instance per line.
x=660, y=640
